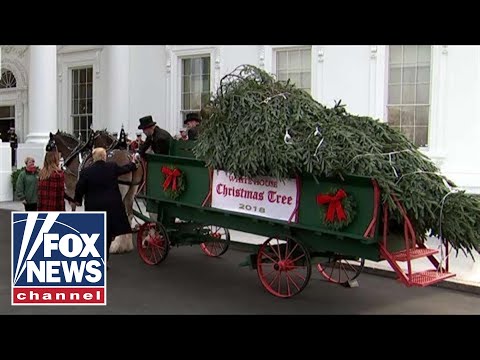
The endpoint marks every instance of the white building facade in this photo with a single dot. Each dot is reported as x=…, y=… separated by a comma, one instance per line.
x=432, y=93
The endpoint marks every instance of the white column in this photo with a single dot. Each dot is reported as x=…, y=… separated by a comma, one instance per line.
x=118, y=66
x=42, y=93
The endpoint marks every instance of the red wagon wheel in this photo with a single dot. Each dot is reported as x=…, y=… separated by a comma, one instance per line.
x=219, y=243
x=338, y=270
x=152, y=243
x=283, y=267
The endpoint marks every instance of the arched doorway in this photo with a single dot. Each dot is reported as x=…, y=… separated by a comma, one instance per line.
x=14, y=90
x=7, y=112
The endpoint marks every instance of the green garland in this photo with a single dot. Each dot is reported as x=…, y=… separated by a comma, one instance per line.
x=349, y=205
x=181, y=183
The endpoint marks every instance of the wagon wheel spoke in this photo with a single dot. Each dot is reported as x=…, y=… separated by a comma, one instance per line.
x=291, y=252
x=350, y=265
x=268, y=256
x=295, y=267
x=283, y=286
x=156, y=245
x=154, y=255
x=218, y=230
x=345, y=271
x=271, y=272
x=298, y=275
x=211, y=247
x=333, y=268
x=286, y=250
x=271, y=247
x=279, y=251
x=279, y=281
x=340, y=268
x=298, y=258
x=288, y=285
x=293, y=282
x=276, y=277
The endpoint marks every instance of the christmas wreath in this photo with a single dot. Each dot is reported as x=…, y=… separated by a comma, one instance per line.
x=337, y=208
x=173, y=182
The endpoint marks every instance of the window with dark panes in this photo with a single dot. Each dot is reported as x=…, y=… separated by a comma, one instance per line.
x=82, y=101
x=409, y=91
x=7, y=80
x=295, y=64
x=195, y=86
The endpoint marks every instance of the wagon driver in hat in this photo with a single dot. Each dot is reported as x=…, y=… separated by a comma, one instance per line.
x=192, y=121
x=157, y=139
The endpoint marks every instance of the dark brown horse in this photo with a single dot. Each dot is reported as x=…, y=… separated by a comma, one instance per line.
x=77, y=156
x=102, y=138
x=70, y=149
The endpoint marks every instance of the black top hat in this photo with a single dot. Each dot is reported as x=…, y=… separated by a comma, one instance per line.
x=146, y=122
x=192, y=117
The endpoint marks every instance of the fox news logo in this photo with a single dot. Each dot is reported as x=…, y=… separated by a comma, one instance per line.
x=58, y=258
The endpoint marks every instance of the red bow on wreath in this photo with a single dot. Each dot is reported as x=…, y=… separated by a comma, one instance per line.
x=335, y=205
x=171, y=178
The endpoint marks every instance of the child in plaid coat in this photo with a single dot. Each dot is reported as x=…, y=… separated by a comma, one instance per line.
x=51, y=185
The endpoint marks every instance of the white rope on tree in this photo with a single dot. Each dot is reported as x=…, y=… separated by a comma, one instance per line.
x=378, y=154
x=443, y=258
x=419, y=172
x=391, y=164
x=318, y=134
x=287, y=139
x=268, y=99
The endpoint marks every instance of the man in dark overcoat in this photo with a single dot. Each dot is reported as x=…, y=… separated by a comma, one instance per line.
x=98, y=183
x=157, y=139
x=192, y=122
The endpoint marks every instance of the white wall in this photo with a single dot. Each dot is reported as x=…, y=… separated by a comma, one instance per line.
x=462, y=116
x=346, y=77
x=147, y=85
x=233, y=56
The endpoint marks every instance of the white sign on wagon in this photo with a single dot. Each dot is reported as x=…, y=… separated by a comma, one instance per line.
x=262, y=196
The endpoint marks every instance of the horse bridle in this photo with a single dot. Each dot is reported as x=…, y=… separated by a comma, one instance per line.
x=112, y=145
x=75, y=151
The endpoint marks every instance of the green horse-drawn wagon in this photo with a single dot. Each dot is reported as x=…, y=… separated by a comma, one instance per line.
x=334, y=224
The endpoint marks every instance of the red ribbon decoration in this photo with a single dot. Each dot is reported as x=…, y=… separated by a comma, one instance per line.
x=335, y=205
x=171, y=178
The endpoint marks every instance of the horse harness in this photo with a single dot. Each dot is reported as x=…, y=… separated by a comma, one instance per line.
x=83, y=160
